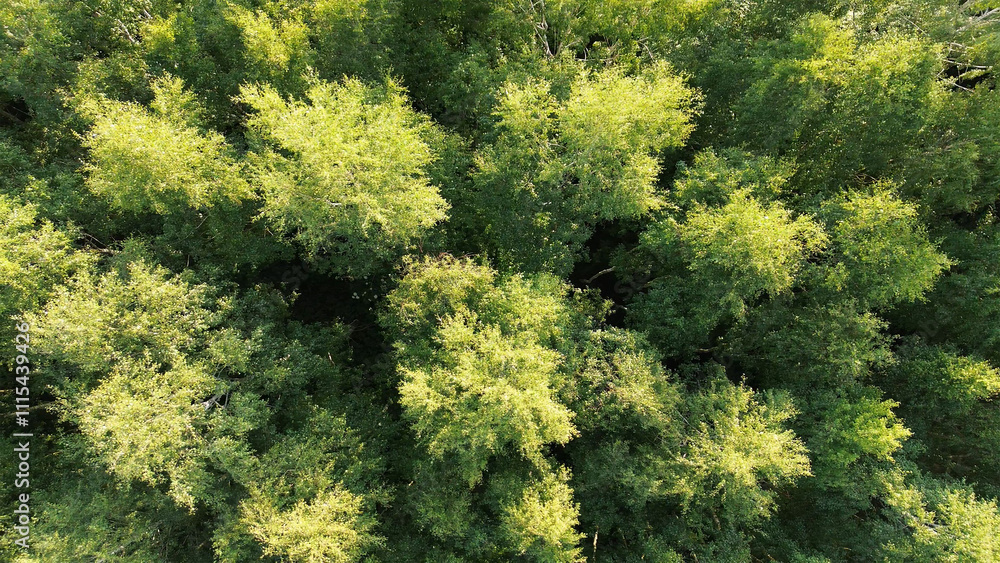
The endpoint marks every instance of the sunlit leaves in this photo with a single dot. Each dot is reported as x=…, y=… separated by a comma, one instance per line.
x=950, y=523
x=951, y=403
x=756, y=249
x=486, y=380
x=97, y=321
x=733, y=255
x=36, y=256
x=884, y=255
x=156, y=161
x=312, y=494
x=329, y=528
x=853, y=428
x=838, y=107
x=541, y=524
x=345, y=173
x=480, y=373
x=146, y=422
x=489, y=394
x=559, y=166
x=611, y=130
x=737, y=443
x=714, y=176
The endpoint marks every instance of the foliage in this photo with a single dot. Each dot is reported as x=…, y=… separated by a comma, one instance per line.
x=43, y=258
x=560, y=166
x=553, y=281
x=718, y=263
x=353, y=187
x=883, y=255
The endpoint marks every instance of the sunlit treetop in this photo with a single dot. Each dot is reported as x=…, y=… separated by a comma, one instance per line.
x=345, y=173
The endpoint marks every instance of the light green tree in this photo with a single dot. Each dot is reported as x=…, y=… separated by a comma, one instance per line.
x=346, y=173
x=558, y=166
x=162, y=161
x=479, y=363
x=36, y=257
x=718, y=263
x=882, y=252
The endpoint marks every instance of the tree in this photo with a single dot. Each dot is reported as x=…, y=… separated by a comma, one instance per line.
x=717, y=264
x=949, y=401
x=346, y=173
x=160, y=161
x=557, y=167
x=516, y=280
x=88, y=514
x=864, y=101
x=170, y=385
x=479, y=376
x=39, y=256
x=299, y=510
x=734, y=451
x=138, y=388
x=863, y=228
x=165, y=162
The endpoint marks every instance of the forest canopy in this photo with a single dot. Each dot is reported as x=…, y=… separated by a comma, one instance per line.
x=568, y=281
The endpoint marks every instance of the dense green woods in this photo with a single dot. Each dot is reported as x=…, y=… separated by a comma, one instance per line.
x=404, y=281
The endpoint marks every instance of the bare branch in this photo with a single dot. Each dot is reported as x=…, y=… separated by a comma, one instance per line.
x=213, y=401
